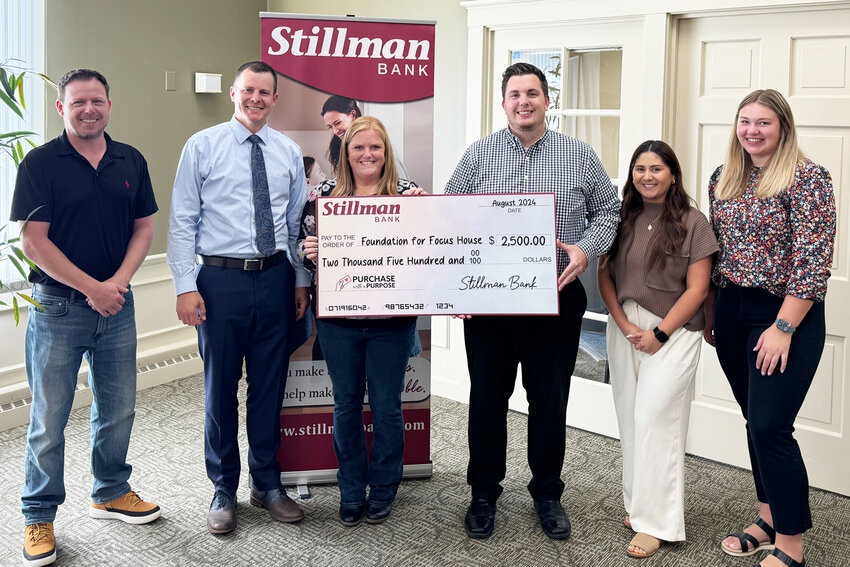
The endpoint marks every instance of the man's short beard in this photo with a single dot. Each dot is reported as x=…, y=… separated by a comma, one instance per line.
x=92, y=136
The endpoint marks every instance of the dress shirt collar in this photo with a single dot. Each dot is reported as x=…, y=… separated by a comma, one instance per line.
x=541, y=141
x=242, y=133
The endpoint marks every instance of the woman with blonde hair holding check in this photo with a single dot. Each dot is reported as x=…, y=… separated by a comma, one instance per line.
x=364, y=350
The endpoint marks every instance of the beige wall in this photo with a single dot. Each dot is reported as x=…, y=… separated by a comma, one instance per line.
x=133, y=43
x=450, y=66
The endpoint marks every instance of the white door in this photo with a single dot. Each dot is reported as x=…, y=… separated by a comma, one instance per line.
x=596, y=80
x=804, y=55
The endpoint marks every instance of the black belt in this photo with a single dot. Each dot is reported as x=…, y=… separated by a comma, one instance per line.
x=64, y=292
x=247, y=264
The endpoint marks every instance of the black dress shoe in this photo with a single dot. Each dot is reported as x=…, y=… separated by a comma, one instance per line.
x=480, y=519
x=553, y=519
x=377, y=512
x=221, y=519
x=351, y=515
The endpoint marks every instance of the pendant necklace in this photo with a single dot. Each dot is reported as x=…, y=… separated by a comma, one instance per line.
x=649, y=227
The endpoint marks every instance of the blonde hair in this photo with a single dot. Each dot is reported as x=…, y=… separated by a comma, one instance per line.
x=345, y=184
x=779, y=172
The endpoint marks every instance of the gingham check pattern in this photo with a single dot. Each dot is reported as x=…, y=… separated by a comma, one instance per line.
x=586, y=203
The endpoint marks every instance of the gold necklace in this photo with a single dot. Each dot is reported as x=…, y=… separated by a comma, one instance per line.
x=649, y=226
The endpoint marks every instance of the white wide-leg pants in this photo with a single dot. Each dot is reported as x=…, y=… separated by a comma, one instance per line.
x=652, y=396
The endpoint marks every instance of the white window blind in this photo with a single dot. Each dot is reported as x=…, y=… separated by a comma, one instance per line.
x=21, y=47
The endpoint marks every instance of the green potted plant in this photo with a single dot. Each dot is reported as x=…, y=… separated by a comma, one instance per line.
x=13, y=144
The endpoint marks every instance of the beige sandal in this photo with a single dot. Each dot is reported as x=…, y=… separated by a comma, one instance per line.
x=647, y=543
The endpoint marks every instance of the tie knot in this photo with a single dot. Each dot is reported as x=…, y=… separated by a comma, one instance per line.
x=254, y=139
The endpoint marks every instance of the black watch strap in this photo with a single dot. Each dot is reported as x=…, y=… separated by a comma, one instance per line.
x=661, y=335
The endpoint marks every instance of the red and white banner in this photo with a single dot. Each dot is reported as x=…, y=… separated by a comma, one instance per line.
x=377, y=61
x=384, y=69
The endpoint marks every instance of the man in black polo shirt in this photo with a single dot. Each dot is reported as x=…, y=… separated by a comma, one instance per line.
x=90, y=206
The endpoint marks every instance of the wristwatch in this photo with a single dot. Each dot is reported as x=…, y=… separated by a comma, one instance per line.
x=785, y=326
x=661, y=335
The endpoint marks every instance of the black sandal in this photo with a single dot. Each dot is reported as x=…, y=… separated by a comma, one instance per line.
x=748, y=540
x=785, y=558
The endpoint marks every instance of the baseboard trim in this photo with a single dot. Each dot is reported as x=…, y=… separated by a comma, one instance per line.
x=149, y=374
x=328, y=476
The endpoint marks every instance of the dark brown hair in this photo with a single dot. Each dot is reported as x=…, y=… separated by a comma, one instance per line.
x=80, y=75
x=343, y=105
x=670, y=236
x=524, y=69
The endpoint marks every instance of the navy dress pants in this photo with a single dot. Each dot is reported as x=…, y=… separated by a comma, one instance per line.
x=770, y=403
x=248, y=317
x=546, y=346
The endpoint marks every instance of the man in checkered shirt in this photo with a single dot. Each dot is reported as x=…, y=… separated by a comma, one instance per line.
x=526, y=157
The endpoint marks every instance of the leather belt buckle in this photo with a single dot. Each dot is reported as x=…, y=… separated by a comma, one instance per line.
x=252, y=264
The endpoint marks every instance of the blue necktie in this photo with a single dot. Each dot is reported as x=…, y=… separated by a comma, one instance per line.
x=262, y=202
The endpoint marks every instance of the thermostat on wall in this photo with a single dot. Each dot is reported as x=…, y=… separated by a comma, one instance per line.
x=207, y=83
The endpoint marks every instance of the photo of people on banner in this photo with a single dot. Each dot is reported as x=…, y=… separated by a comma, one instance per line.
x=332, y=72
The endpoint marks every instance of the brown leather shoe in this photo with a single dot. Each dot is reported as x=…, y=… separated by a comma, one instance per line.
x=280, y=506
x=221, y=519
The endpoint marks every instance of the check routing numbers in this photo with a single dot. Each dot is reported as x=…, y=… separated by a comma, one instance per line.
x=437, y=255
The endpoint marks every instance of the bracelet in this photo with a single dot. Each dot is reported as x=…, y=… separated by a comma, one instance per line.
x=661, y=335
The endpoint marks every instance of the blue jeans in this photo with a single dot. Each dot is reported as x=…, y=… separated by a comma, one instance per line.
x=57, y=340
x=374, y=354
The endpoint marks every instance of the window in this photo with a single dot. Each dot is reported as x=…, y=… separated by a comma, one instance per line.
x=584, y=102
x=21, y=46
x=584, y=96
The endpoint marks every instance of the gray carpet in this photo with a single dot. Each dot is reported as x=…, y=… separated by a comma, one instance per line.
x=426, y=525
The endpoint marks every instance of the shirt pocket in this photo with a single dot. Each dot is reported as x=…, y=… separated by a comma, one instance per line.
x=671, y=277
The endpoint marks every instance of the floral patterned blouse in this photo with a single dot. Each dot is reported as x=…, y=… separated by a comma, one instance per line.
x=782, y=244
x=308, y=217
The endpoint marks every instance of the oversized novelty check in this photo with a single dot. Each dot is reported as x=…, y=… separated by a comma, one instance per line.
x=436, y=255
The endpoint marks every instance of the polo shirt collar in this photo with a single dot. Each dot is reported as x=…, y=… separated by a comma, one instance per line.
x=242, y=133
x=66, y=149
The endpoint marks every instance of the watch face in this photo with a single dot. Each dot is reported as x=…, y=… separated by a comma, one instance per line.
x=784, y=326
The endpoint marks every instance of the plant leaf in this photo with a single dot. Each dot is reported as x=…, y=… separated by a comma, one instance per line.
x=47, y=80
x=21, y=91
x=29, y=216
x=20, y=254
x=17, y=134
x=30, y=300
x=11, y=104
x=15, y=310
x=17, y=265
x=4, y=80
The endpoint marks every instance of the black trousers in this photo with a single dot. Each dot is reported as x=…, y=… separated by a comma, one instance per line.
x=770, y=403
x=546, y=346
x=249, y=318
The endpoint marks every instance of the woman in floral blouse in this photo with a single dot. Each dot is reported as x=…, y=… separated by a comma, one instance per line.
x=773, y=212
